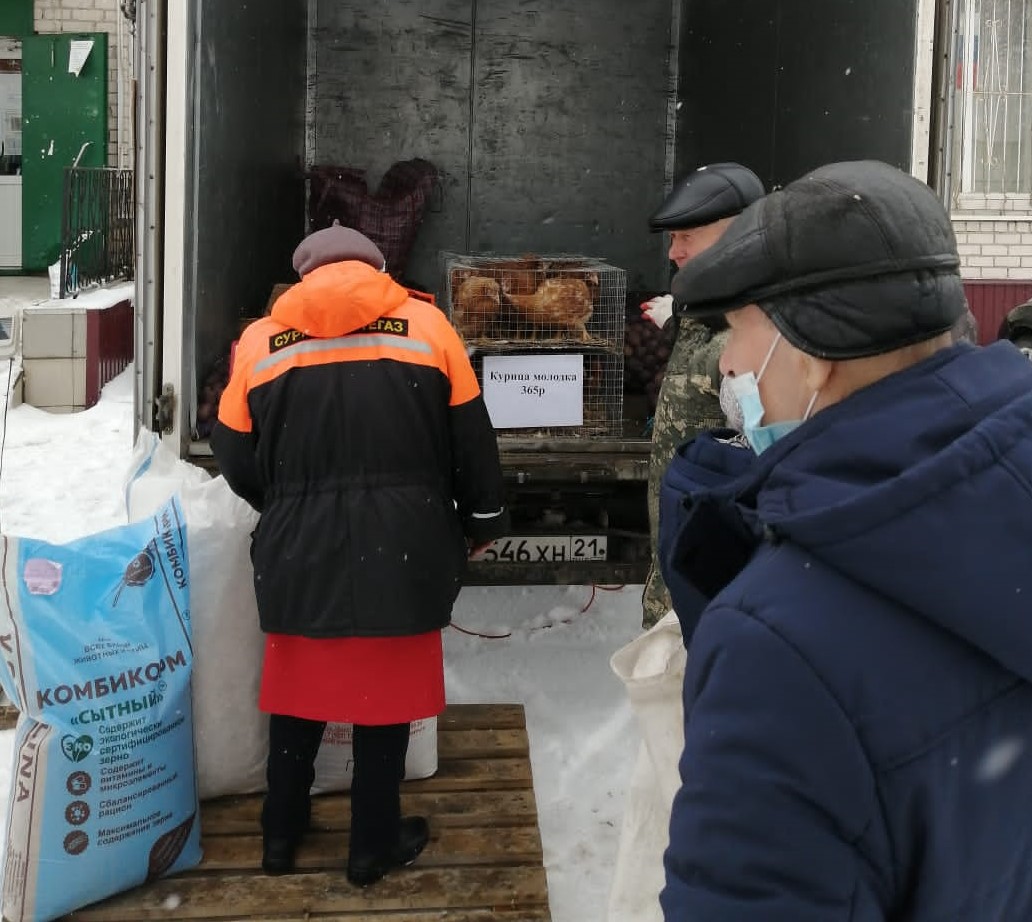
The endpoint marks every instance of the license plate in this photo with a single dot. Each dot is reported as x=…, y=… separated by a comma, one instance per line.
x=544, y=549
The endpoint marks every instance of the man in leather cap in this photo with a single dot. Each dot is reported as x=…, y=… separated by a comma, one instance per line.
x=854, y=593
x=695, y=214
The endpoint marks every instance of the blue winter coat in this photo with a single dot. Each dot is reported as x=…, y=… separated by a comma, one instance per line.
x=858, y=699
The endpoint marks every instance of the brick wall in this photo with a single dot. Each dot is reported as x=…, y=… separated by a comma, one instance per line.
x=994, y=249
x=100, y=16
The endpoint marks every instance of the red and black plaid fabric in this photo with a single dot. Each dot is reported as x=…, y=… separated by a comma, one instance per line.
x=390, y=216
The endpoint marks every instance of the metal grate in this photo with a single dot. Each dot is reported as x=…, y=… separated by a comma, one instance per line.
x=994, y=97
x=536, y=300
x=97, y=228
x=545, y=306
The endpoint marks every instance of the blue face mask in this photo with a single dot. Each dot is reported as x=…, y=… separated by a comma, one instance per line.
x=746, y=391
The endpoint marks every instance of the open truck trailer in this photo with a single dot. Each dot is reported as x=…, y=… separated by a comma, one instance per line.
x=556, y=127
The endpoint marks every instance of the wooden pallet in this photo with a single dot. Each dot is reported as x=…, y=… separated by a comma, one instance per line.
x=483, y=862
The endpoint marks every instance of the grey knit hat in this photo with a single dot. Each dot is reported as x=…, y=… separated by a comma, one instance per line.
x=854, y=259
x=336, y=244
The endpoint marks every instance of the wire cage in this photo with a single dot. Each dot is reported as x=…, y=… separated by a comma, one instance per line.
x=547, y=305
x=535, y=300
x=602, y=395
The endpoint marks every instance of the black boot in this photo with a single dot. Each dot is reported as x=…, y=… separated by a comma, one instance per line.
x=286, y=813
x=413, y=835
x=380, y=838
x=278, y=855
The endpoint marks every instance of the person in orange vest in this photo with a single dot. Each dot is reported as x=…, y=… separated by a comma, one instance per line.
x=354, y=423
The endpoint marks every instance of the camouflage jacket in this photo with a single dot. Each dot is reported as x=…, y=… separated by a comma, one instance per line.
x=689, y=402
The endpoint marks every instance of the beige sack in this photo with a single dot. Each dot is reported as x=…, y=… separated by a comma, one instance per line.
x=652, y=669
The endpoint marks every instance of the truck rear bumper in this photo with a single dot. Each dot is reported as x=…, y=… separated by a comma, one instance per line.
x=575, y=488
x=563, y=488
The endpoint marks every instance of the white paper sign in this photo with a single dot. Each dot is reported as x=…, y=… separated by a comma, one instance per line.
x=78, y=52
x=10, y=114
x=528, y=391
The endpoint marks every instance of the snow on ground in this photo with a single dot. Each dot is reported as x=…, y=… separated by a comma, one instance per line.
x=61, y=477
x=583, y=739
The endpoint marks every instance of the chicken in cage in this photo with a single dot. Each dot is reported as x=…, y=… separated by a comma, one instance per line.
x=535, y=299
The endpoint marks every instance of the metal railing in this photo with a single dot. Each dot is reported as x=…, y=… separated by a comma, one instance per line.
x=97, y=227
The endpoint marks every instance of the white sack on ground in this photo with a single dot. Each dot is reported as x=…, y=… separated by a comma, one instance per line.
x=230, y=733
x=652, y=669
x=54, y=274
x=335, y=763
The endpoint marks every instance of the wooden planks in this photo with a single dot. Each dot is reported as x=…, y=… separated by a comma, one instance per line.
x=484, y=860
x=321, y=895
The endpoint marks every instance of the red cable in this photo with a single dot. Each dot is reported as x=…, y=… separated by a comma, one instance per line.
x=478, y=634
x=594, y=589
x=592, y=599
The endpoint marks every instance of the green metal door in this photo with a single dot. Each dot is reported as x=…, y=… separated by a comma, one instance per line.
x=61, y=112
x=15, y=18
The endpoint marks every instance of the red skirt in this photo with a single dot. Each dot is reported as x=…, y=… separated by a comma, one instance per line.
x=359, y=680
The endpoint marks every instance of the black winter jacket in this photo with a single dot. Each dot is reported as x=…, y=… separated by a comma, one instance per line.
x=354, y=423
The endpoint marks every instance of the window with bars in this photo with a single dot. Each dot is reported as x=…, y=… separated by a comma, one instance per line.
x=993, y=103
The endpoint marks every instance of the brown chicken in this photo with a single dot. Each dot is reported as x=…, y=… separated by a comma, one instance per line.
x=558, y=305
x=475, y=305
x=517, y=276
